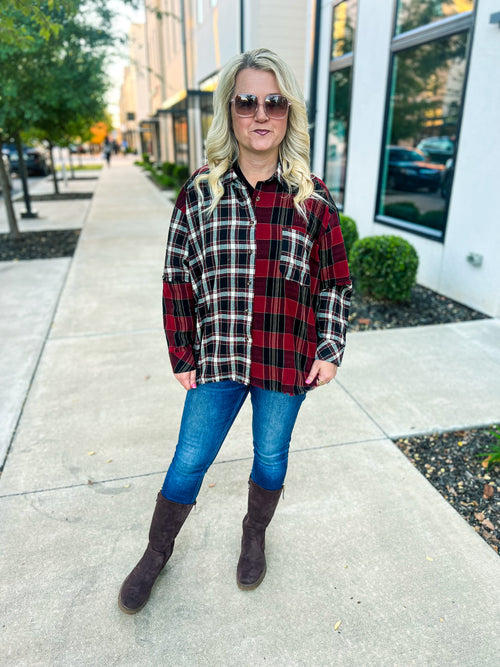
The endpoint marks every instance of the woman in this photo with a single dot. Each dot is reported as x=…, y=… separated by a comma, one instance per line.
x=256, y=294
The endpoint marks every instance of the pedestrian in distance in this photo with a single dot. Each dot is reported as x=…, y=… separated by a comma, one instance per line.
x=108, y=149
x=256, y=293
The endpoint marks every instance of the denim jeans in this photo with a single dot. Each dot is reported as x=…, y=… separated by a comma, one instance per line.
x=209, y=411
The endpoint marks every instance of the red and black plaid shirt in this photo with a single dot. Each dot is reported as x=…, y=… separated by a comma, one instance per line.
x=254, y=292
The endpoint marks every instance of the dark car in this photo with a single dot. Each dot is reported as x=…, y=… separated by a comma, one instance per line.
x=410, y=169
x=35, y=160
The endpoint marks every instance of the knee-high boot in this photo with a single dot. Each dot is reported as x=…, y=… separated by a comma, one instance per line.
x=167, y=521
x=262, y=504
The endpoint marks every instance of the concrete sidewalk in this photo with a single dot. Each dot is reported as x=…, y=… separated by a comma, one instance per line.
x=360, y=538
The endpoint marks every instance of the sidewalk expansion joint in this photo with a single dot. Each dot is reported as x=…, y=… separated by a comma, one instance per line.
x=125, y=478
x=107, y=334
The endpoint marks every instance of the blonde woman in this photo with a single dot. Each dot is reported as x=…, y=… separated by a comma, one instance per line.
x=256, y=292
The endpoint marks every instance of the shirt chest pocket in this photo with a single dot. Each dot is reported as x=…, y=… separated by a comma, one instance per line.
x=294, y=258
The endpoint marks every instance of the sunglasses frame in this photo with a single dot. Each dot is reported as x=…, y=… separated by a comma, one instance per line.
x=256, y=100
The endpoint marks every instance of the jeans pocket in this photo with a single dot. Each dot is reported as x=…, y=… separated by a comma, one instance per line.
x=294, y=259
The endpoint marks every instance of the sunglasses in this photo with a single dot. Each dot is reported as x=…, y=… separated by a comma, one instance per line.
x=246, y=105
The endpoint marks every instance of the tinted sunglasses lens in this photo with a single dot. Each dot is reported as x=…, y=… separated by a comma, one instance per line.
x=245, y=105
x=276, y=106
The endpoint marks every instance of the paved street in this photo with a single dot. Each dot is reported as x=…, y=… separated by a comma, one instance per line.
x=361, y=537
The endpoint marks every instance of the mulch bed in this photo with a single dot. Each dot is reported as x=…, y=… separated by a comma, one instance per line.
x=39, y=245
x=452, y=462
x=62, y=196
x=424, y=307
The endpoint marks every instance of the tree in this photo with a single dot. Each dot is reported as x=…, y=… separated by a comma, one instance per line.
x=52, y=64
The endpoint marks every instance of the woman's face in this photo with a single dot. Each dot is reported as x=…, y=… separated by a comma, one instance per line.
x=257, y=135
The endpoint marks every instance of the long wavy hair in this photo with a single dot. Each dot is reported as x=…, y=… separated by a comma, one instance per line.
x=222, y=147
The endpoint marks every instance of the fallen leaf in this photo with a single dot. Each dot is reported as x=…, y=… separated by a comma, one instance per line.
x=91, y=453
x=488, y=491
x=337, y=625
x=109, y=461
x=364, y=320
x=441, y=620
x=487, y=524
x=479, y=516
x=126, y=486
x=90, y=482
x=147, y=377
x=429, y=558
x=211, y=486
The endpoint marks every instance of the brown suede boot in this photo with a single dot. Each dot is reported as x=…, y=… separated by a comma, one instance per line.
x=262, y=504
x=167, y=521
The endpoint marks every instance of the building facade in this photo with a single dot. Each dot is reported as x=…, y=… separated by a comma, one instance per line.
x=403, y=99
x=134, y=90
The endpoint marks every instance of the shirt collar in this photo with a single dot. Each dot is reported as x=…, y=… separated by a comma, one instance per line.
x=231, y=176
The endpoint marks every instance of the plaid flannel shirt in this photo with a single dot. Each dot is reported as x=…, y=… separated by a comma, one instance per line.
x=254, y=292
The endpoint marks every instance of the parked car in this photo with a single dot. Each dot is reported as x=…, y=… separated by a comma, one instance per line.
x=439, y=149
x=410, y=169
x=6, y=164
x=36, y=160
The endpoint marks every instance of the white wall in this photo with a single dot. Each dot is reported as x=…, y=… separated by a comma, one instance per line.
x=369, y=83
x=474, y=217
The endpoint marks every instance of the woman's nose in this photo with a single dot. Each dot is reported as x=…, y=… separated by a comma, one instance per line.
x=260, y=114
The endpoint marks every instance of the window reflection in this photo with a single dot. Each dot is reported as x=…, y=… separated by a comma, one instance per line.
x=338, y=120
x=344, y=24
x=415, y=13
x=421, y=132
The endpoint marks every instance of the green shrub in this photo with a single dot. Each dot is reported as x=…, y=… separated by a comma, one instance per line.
x=181, y=173
x=403, y=210
x=433, y=219
x=349, y=232
x=167, y=168
x=384, y=267
x=146, y=158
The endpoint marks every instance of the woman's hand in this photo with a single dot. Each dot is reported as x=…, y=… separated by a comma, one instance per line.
x=187, y=380
x=322, y=372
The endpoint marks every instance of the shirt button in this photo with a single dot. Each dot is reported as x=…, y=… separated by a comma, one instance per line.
x=257, y=199
x=250, y=252
x=249, y=282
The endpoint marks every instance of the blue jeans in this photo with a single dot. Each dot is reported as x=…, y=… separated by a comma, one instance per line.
x=209, y=411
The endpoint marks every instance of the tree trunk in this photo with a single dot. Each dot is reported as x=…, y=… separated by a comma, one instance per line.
x=11, y=216
x=71, y=165
x=24, y=178
x=52, y=164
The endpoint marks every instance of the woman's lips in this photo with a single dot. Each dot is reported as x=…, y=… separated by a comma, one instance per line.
x=261, y=132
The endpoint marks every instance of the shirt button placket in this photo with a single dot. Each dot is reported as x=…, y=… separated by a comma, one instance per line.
x=250, y=283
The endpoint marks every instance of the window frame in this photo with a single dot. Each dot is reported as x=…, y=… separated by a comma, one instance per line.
x=447, y=27
x=336, y=64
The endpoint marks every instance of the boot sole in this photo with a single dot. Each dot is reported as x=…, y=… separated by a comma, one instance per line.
x=251, y=587
x=127, y=610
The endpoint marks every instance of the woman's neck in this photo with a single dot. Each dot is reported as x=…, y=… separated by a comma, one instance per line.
x=257, y=169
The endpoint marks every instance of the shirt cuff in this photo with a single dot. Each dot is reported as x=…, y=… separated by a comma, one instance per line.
x=182, y=359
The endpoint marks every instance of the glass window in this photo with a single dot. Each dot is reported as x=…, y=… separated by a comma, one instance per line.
x=344, y=24
x=338, y=121
x=416, y=13
x=422, y=127
x=343, y=32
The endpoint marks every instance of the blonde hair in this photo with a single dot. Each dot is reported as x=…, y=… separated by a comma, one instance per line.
x=222, y=147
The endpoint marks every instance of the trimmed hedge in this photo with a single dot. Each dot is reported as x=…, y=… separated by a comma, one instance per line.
x=384, y=267
x=403, y=210
x=349, y=232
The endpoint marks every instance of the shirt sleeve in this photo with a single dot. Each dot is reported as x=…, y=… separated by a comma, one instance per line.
x=178, y=298
x=335, y=290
